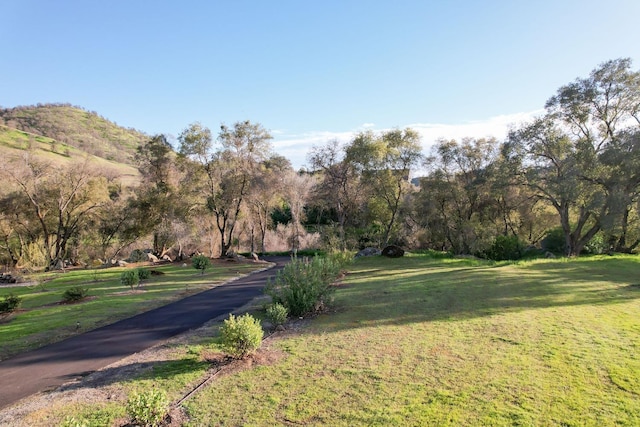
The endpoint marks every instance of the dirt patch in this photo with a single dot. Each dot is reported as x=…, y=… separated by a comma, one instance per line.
x=8, y=317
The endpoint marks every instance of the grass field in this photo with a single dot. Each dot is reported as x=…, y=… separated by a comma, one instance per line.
x=424, y=341
x=43, y=319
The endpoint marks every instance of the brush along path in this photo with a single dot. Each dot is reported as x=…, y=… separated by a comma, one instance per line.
x=51, y=366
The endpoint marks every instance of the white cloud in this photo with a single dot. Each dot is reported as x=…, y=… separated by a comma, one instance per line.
x=296, y=147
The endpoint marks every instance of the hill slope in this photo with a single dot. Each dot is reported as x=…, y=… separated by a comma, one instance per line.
x=60, y=133
x=75, y=127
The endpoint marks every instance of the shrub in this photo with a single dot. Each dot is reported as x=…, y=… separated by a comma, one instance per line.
x=10, y=303
x=72, y=422
x=75, y=294
x=304, y=285
x=148, y=408
x=129, y=278
x=201, y=262
x=505, y=248
x=597, y=245
x=143, y=273
x=554, y=241
x=138, y=255
x=277, y=313
x=241, y=336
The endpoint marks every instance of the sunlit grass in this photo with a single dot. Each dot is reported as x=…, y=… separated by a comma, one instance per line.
x=430, y=341
x=419, y=341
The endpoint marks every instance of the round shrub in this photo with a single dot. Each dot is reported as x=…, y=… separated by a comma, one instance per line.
x=148, y=408
x=241, y=336
x=129, y=278
x=138, y=255
x=277, y=313
x=505, y=248
x=554, y=241
x=75, y=294
x=143, y=273
x=10, y=303
x=201, y=262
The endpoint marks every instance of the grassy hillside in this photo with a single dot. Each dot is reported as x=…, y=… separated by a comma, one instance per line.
x=14, y=144
x=74, y=127
x=62, y=133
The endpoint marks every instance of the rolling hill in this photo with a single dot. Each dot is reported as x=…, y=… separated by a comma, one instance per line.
x=60, y=133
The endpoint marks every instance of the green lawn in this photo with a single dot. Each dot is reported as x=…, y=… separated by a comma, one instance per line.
x=43, y=319
x=422, y=341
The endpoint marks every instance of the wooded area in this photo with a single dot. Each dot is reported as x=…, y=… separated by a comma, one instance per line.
x=568, y=182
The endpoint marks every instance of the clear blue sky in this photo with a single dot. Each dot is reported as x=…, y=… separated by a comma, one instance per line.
x=305, y=70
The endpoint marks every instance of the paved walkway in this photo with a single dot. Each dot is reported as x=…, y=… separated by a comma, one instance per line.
x=49, y=367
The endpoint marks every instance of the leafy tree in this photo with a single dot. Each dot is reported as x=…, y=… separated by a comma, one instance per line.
x=226, y=174
x=266, y=192
x=158, y=200
x=456, y=202
x=59, y=200
x=568, y=155
x=386, y=163
x=339, y=190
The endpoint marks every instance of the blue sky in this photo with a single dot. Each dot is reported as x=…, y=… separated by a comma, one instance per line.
x=309, y=71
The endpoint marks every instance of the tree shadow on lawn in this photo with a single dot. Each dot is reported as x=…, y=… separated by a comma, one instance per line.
x=403, y=292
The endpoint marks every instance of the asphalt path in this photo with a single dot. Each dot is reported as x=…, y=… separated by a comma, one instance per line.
x=53, y=365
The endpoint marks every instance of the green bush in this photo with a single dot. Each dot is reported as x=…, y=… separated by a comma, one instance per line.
x=148, y=408
x=143, y=273
x=597, y=245
x=10, y=303
x=303, y=286
x=138, y=255
x=554, y=241
x=505, y=248
x=241, y=336
x=75, y=294
x=277, y=313
x=129, y=278
x=201, y=262
x=72, y=422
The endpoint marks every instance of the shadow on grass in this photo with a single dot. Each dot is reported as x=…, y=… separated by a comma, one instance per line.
x=421, y=289
x=156, y=370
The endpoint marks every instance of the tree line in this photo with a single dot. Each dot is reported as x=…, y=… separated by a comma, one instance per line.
x=568, y=181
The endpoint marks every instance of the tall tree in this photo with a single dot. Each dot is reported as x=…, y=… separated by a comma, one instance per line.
x=60, y=199
x=339, y=187
x=385, y=162
x=158, y=200
x=565, y=152
x=228, y=171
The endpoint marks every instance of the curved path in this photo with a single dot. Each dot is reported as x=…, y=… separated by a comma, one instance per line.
x=49, y=367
